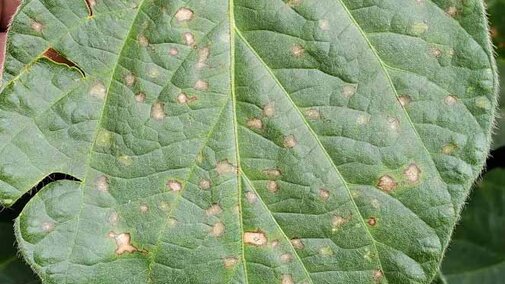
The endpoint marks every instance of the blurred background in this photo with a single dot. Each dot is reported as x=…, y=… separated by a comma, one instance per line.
x=477, y=252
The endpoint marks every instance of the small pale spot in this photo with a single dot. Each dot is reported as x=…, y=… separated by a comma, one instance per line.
x=349, y=90
x=255, y=238
x=173, y=51
x=158, y=111
x=449, y=149
x=251, y=197
x=287, y=279
x=404, y=100
x=324, y=25
x=92, y=3
x=36, y=26
x=297, y=243
x=269, y=110
x=174, y=185
x=213, y=210
x=140, y=97
x=104, y=138
x=184, y=14
x=324, y=194
x=204, y=184
x=114, y=218
x=313, y=114
x=189, y=38
x=377, y=275
x=203, y=56
x=47, y=227
x=450, y=100
x=412, y=173
x=201, y=85
x=289, y=141
x=225, y=167
x=419, y=28
x=230, y=262
x=217, y=229
x=387, y=183
x=182, y=98
x=436, y=52
x=171, y=222
x=297, y=50
x=164, y=206
x=363, y=119
x=274, y=244
x=452, y=11
x=255, y=123
x=294, y=3
x=326, y=251
x=102, y=183
x=286, y=257
x=272, y=186
x=272, y=172
x=143, y=41
x=372, y=221
x=125, y=160
x=394, y=123
x=376, y=203
x=129, y=79
x=144, y=208
x=338, y=221
x=483, y=103
x=123, y=243
x=98, y=90
x=153, y=72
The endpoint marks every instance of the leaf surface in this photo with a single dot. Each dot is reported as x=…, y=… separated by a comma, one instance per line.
x=477, y=253
x=244, y=141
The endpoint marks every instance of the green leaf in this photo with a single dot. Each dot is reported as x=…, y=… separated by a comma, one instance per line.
x=12, y=269
x=477, y=252
x=499, y=132
x=314, y=141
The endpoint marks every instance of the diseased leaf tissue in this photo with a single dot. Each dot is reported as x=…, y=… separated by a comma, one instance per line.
x=304, y=141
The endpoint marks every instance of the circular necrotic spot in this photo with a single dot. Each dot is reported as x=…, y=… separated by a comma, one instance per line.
x=377, y=275
x=313, y=114
x=272, y=186
x=98, y=90
x=449, y=148
x=255, y=123
x=174, y=185
x=184, y=14
x=269, y=110
x=204, y=184
x=297, y=243
x=287, y=279
x=286, y=257
x=225, y=167
x=143, y=41
x=201, y=85
x=338, y=221
x=189, y=39
x=129, y=79
x=47, y=227
x=274, y=244
x=349, y=90
x=297, y=50
x=452, y=11
x=230, y=262
x=386, y=183
x=203, y=55
x=255, y=238
x=102, y=183
x=372, y=221
x=450, y=100
x=123, y=244
x=412, y=173
x=140, y=97
x=251, y=197
x=213, y=210
x=173, y=51
x=294, y=3
x=217, y=229
x=144, y=208
x=324, y=25
x=272, y=173
x=404, y=100
x=324, y=194
x=158, y=111
x=36, y=26
x=394, y=123
x=289, y=141
x=182, y=98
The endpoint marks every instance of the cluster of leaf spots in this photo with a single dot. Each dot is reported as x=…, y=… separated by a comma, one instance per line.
x=296, y=141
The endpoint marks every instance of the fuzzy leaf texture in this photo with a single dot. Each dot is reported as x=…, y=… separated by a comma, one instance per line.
x=304, y=141
x=477, y=252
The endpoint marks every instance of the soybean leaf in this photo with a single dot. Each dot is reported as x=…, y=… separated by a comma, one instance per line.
x=244, y=141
